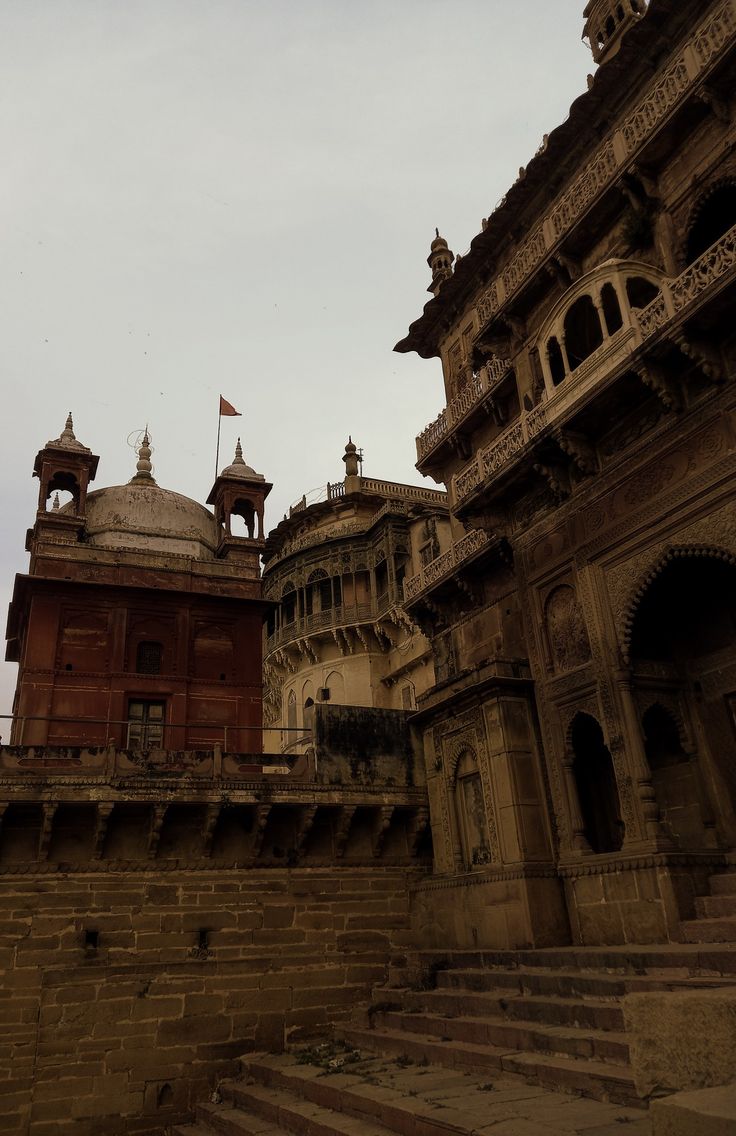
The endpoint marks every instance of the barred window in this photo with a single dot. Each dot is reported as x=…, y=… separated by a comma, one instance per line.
x=148, y=658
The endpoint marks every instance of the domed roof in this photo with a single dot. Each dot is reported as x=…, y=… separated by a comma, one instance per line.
x=142, y=515
x=238, y=467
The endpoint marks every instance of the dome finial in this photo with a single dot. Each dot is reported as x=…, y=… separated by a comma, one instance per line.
x=56, y=505
x=238, y=459
x=143, y=465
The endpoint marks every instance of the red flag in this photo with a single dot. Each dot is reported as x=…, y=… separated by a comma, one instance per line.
x=227, y=409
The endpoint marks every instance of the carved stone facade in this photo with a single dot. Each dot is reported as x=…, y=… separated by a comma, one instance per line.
x=602, y=479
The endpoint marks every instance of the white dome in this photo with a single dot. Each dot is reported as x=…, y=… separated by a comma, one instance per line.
x=143, y=516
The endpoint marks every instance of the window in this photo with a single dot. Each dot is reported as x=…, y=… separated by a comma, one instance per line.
x=611, y=308
x=146, y=724
x=583, y=334
x=148, y=658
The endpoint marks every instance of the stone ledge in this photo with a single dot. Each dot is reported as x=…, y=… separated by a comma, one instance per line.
x=705, y=1112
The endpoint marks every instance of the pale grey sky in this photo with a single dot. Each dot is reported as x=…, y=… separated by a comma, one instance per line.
x=205, y=196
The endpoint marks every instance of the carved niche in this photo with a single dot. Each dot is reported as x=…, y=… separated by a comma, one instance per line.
x=566, y=631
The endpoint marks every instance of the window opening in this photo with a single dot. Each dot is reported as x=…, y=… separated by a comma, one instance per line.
x=716, y=216
x=471, y=812
x=556, y=361
x=149, y=658
x=640, y=292
x=611, y=308
x=583, y=332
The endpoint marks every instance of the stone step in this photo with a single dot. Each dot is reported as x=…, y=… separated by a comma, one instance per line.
x=598, y=1079
x=715, y=906
x=723, y=884
x=422, y=1100
x=563, y=984
x=591, y=1013
x=598, y=1045
x=281, y=1110
x=721, y=930
x=655, y=960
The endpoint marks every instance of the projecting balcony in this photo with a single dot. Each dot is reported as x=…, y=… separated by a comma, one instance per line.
x=445, y=566
x=461, y=409
x=342, y=616
x=570, y=384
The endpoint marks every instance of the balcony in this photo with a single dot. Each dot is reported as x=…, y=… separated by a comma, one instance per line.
x=319, y=621
x=678, y=299
x=481, y=386
x=445, y=565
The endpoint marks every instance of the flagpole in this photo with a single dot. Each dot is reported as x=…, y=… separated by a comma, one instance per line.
x=217, y=453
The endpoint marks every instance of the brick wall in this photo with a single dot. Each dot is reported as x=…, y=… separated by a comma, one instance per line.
x=126, y=996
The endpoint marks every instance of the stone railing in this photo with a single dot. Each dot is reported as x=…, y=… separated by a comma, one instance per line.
x=711, y=270
x=482, y=383
x=342, y=616
x=699, y=55
x=395, y=489
x=445, y=564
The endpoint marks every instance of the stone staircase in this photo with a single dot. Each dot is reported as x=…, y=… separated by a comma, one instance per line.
x=715, y=920
x=462, y=1040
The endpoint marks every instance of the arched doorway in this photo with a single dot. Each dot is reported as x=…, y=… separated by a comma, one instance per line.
x=595, y=780
x=674, y=778
x=685, y=625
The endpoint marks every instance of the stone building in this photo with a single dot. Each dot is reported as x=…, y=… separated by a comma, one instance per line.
x=580, y=740
x=138, y=623
x=334, y=569
x=168, y=907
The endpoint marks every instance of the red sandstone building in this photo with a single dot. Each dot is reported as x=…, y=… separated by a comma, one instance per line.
x=139, y=621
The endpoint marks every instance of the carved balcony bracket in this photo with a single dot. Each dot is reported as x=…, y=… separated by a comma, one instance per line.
x=381, y=825
x=571, y=266
x=211, y=817
x=47, y=823
x=158, y=815
x=556, y=476
x=496, y=411
x=705, y=355
x=342, y=829
x=473, y=593
x=260, y=820
x=577, y=447
x=461, y=445
x=102, y=821
x=416, y=829
x=667, y=390
x=640, y=189
x=304, y=827
x=707, y=95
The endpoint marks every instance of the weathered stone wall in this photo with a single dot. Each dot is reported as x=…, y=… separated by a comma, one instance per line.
x=128, y=996
x=365, y=746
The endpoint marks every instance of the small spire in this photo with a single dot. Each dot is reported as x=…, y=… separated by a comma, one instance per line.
x=67, y=436
x=350, y=457
x=56, y=505
x=238, y=459
x=143, y=465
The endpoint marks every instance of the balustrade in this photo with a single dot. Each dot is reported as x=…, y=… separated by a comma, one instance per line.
x=712, y=269
x=482, y=383
x=445, y=564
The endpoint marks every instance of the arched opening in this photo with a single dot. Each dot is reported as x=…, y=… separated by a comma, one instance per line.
x=291, y=713
x=595, y=779
x=610, y=26
x=471, y=812
x=686, y=624
x=640, y=292
x=556, y=361
x=288, y=604
x=715, y=216
x=611, y=308
x=243, y=518
x=67, y=486
x=673, y=777
x=583, y=332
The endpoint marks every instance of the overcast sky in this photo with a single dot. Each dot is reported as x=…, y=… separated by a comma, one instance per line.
x=205, y=196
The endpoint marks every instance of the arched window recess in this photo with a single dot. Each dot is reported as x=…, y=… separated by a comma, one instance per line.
x=596, y=318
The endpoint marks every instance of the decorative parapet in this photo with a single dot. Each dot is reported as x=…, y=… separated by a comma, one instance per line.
x=445, y=564
x=332, y=619
x=699, y=55
x=482, y=383
x=713, y=269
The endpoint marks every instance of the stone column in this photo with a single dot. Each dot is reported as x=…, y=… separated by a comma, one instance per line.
x=641, y=774
x=578, y=839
